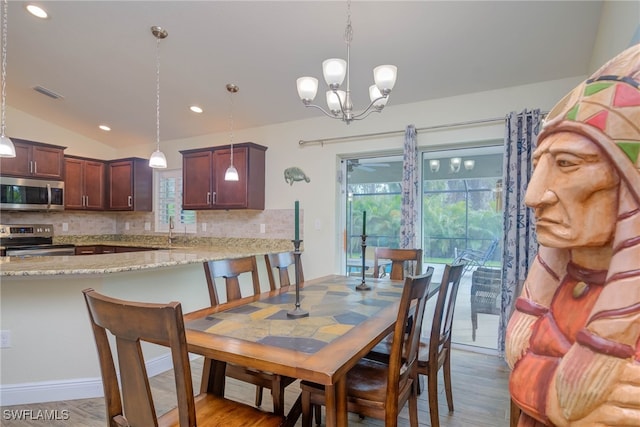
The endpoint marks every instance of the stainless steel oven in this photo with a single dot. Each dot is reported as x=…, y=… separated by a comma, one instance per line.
x=27, y=240
x=26, y=194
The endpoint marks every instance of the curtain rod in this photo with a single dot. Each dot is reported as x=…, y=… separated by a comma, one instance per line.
x=323, y=141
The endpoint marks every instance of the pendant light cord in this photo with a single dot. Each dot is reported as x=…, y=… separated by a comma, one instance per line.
x=231, y=124
x=5, y=6
x=158, y=93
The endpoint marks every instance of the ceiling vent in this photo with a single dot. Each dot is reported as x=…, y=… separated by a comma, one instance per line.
x=47, y=92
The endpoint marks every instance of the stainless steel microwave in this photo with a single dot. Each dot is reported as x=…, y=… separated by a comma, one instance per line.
x=26, y=194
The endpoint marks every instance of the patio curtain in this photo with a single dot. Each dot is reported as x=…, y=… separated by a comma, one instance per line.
x=519, y=243
x=409, y=189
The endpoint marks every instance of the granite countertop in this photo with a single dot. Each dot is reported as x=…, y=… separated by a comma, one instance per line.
x=180, y=253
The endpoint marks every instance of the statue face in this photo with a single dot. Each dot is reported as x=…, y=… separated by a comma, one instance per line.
x=573, y=192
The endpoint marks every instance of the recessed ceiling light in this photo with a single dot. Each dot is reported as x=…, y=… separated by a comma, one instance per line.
x=37, y=11
x=105, y=128
x=195, y=109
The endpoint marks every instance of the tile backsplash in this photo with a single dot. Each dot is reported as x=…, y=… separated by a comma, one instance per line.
x=267, y=224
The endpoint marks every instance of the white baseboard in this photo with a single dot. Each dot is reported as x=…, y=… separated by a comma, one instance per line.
x=81, y=388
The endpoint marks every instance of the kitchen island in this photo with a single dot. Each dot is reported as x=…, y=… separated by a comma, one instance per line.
x=52, y=355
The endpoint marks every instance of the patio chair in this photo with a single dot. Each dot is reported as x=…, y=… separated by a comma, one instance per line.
x=472, y=258
x=486, y=288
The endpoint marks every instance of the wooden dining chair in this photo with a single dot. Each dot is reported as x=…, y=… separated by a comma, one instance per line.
x=377, y=389
x=281, y=261
x=230, y=270
x=435, y=352
x=400, y=259
x=162, y=324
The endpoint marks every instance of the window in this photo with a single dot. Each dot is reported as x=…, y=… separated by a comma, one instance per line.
x=169, y=203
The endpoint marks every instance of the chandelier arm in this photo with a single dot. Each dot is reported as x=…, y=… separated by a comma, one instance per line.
x=328, y=114
x=369, y=109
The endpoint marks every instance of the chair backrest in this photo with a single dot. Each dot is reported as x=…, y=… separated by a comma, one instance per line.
x=281, y=261
x=230, y=269
x=399, y=258
x=403, y=357
x=131, y=323
x=442, y=324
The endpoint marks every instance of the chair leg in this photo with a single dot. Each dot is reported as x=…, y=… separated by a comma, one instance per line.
x=413, y=403
x=258, y=396
x=474, y=323
x=446, y=370
x=432, y=387
x=318, y=412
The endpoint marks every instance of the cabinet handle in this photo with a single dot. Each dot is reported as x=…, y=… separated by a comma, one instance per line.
x=129, y=201
x=214, y=197
x=35, y=167
x=30, y=166
x=86, y=201
x=87, y=252
x=208, y=198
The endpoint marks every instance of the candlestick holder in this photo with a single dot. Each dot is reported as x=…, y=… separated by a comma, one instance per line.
x=297, y=312
x=363, y=286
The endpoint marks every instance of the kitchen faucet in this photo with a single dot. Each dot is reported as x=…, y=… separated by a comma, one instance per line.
x=171, y=227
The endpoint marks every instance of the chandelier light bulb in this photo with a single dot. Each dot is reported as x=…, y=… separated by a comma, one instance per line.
x=469, y=164
x=385, y=77
x=379, y=100
x=434, y=165
x=334, y=101
x=307, y=88
x=334, y=71
x=454, y=164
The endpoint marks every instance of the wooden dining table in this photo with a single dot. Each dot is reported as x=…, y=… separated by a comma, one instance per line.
x=343, y=325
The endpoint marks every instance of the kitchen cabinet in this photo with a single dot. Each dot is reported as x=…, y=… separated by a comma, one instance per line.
x=34, y=160
x=203, y=184
x=84, y=183
x=130, y=185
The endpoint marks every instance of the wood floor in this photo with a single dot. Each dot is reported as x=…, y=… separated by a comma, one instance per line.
x=480, y=395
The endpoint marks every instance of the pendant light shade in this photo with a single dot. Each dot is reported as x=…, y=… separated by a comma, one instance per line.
x=7, y=149
x=232, y=173
x=158, y=159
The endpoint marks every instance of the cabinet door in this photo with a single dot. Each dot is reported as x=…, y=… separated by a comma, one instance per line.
x=48, y=162
x=94, y=185
x=120, y=185
x=230, y=194
x=20, y=165
x=196, y=180
x=73, y=191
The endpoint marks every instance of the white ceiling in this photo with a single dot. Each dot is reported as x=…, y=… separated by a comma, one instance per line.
x=101, y=57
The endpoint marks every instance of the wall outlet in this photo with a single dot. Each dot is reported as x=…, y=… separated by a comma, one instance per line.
x=263, y=228
x=5, y=339
x=147, y=226
x=65, y=226
x=204, y=226
x=126, y=225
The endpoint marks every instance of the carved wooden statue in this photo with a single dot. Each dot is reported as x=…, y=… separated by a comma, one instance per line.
x=573, y=341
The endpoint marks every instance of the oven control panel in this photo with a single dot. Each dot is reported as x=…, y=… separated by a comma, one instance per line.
x=25, y=230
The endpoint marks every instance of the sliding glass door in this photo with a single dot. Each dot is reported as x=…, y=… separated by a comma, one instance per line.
x=461, y=217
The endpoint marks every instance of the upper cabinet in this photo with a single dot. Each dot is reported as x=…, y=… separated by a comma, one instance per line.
x=34, y=160
x=84, y=184
x=130, y=183
x=203, y=181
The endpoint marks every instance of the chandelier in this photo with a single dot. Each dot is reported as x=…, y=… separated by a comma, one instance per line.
x=158, y=159
x=339, y=101
x=7, y=149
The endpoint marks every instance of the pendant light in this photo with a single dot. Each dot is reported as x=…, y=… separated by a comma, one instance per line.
x=7, y=149
x=157, y=159
x=232, y=173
